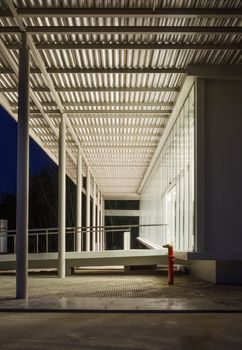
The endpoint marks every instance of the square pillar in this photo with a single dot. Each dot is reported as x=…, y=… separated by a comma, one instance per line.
x=23, y=173
x=94, y=217
x=79, y=203
x=88, y=206
x=98, y=220
x=62, y=199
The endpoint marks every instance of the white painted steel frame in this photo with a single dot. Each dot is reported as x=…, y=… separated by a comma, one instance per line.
x=62, y=199
x=95, y=78
x=138, y=90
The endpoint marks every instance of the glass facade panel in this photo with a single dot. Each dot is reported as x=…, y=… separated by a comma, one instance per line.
x=169, y=194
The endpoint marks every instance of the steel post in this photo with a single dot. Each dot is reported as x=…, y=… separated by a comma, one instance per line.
x=88, y=210
x=79, y=203
x=94, y=217
x=22, y=172
x=98, y=219
x=62, y=199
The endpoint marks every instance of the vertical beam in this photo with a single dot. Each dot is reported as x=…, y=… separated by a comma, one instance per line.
x=98, y=219
x=94, y=217
x=126, y=239
x=88, y=210
x=23, y=172
x=200, y=167
x=79, y=203
x=102, y=224
x=62, y=199
x=103, y=220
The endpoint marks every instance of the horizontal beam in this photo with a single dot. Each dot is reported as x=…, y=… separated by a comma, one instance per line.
x=113, y=165
x=118, y=177
x=132, y=46
x=105, y=143
x=98, y=89
x=103, y=104
x=96, y=136
x=145, y=144
x=206, y=30
x=92, y=114
x=125, y=12
x=119, y=135
x=121, y=196
x=97, y=147
x=105, y=126
x=77, y=70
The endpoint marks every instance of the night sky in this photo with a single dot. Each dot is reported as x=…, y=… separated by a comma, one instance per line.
x=8, y=154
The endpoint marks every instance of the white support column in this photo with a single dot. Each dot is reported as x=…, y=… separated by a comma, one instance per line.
x=103, y=245
x=79, y=203
x=103, y=219
x=62, y=199
x=23, y=172
x=101, y=224
x=94, y=217
x=98, y=219
x=127, y=240
x=88, y=185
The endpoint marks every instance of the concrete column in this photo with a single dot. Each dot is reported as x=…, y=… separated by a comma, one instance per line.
x=94, y=217
x=88, y=210
x=79, y=203
x=127, y=240
x=23, y=173
x=62, y=199
x=98, y=219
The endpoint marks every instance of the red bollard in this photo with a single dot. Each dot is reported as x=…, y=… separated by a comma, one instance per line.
x=171, y=260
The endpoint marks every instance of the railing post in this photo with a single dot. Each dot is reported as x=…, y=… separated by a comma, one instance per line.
x=14, y=244
x=37, y=243
x=46, y=241
x=127, y=240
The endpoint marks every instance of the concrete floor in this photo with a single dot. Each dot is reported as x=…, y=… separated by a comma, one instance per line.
x=120, y=292
x=120, y=331
x=126, y=311
x=116, y=284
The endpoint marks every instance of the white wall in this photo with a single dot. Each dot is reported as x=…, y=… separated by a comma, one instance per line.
x=168, y=195
x=151, y=210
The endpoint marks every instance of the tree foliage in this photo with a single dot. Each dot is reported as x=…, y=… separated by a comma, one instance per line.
x=43, y=201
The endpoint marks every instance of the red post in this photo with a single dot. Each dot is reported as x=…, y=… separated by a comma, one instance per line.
x=171, y=260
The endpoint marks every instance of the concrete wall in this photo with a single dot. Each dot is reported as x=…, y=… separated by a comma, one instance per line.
x=219, y=174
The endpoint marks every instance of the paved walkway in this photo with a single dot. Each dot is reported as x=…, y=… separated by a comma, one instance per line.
x=117, y=291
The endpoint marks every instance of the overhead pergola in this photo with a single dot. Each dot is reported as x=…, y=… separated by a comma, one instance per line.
x=96, y=83
x=114, y=69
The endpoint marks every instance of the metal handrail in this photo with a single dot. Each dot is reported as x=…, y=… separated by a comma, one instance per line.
x=48, y=232
x=84, y=228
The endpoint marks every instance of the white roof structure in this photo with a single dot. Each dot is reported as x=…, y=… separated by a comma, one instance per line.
x=115, y=69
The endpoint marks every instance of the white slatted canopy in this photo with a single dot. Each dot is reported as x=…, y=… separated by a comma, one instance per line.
x=114, y=68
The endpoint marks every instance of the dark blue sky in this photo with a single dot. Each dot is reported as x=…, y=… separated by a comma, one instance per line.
x=8, y=154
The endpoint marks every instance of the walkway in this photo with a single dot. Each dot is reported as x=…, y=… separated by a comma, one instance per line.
x=115, y=290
